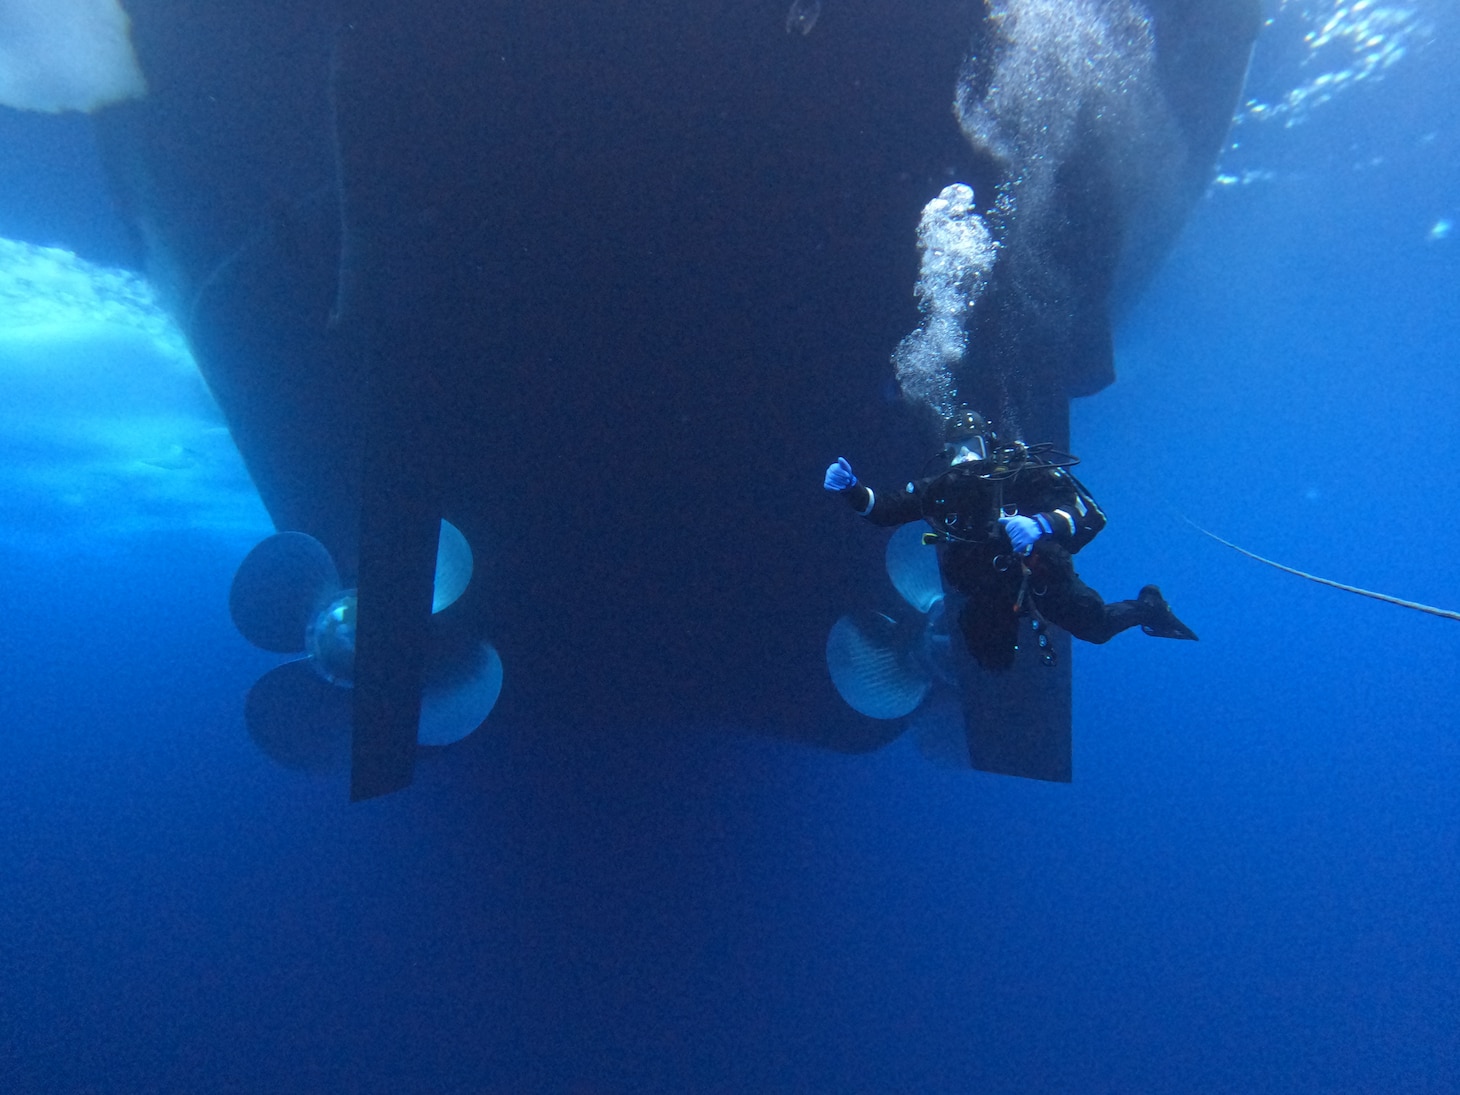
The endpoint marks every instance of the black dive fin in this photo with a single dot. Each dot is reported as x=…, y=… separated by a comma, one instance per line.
x=1164, y=624
x=1169, y=628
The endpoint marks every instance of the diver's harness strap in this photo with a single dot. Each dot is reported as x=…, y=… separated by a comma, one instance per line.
x=1024, y=603
x=1024, y=606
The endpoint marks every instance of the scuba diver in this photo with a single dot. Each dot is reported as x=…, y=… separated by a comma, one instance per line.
x=1007, y=521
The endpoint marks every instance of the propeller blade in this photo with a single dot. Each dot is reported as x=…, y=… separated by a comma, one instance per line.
x=463, y=681
x=279, y=588
x=872, y=667
x=453, y=566
x=913, y=567
x=298, y=720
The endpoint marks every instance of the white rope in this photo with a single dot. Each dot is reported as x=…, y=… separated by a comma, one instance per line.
x=1446, y=613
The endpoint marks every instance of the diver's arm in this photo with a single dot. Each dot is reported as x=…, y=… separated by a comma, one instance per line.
x=1068, y=508
x=885, y=508
x=880, y=509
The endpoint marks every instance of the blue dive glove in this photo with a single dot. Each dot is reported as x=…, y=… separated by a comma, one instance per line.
x=1024, y=531
x=839, y=476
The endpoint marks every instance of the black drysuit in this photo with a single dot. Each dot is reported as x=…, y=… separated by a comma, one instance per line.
x=978, y=561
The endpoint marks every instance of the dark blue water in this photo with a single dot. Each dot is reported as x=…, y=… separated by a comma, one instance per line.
x=1253, y=884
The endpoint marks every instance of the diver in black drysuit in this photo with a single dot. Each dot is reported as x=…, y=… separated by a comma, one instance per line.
x=1007, y=523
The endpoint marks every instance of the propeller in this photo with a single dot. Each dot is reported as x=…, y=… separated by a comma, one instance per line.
x=286, y=598
x=885, y=667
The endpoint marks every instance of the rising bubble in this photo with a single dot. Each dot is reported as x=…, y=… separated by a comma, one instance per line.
x=803, y=15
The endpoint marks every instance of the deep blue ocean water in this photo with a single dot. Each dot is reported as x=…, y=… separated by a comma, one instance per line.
x=1253, y=884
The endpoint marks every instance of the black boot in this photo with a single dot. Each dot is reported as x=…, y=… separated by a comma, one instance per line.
x=1160, y=620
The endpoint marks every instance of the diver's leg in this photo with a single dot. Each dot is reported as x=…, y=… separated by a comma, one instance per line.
x=1066, y=601
x=1082, y=612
